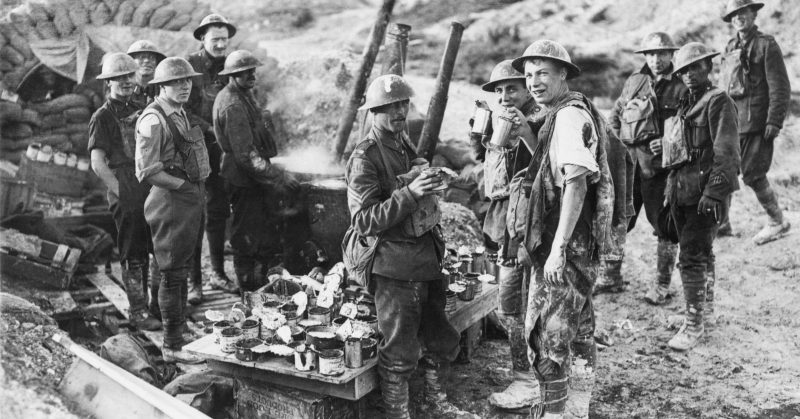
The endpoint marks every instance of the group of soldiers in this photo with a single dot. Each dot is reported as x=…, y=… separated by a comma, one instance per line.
x=559, y=210
x=182, y=144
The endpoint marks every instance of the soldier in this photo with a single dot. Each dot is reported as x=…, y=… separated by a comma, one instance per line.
x=503, y=162
x=571, y=201
x=406, y=271
x=697, y=190
x=754, y=75
x=147, y=55
x=171, y=155
x=251, y=181
x=214, y=32
x=648, y=97
x=111, y=144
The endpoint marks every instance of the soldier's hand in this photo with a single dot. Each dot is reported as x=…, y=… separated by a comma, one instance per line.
x=290, y=182
x=423, y=184
x=554, y=267
x=709, y=207
x=771, y=132
x=655, y=146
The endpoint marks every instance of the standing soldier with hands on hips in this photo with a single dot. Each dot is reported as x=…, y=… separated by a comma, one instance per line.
x=500, y=164
x=112, y=145
x=754, y=75
x=171, y=155
x=703, y=175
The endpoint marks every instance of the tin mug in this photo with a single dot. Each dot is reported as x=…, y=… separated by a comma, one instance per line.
x=352, y=353
x=502, y=132
x=480, y=120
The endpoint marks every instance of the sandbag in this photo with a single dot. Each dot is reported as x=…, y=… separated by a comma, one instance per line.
x=17, y=130
x=207, y=391
x=23, y=24
x=62, y=21
x=69, y=129
x=3, y=39
x=29, y=116
x=128, y=352
x=79, y=114
x=178, y=22
x=456, y=152
x=38, y=11
x=8, y=53
x=5, y=66
x=20, y=16
x=47, y=30
x=145, y=10
x=19, y=43
x=12, y=79
x=100, y=15
x=61, y=103
x=53, y=120
x=10, y=111
x=125, y=13
x=79, y=141
x=77, y=13
x=184, y=7
x=48, y=139
x=113, y=6
x=161, y=17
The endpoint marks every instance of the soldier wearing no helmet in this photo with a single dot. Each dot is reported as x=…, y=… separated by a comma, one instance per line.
x=648, y=98
x=214, y=32
x=112, y=143
x=171, y=155
x=754, y=75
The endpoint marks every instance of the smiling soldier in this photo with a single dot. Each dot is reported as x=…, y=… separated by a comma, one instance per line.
x=147, y=55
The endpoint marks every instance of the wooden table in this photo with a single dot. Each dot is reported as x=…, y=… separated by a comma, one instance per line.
x=354, y=383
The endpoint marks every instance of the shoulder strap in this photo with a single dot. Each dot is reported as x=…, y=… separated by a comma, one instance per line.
x=386, y=162
x=176, y=134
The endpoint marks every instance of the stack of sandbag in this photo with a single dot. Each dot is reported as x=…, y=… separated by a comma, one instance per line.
x=36, y=20
x=64, y=121
x=18, y=127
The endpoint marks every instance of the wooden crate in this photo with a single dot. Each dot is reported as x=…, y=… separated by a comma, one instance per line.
x=28, y=259
x=261, y=401
x=54, y=179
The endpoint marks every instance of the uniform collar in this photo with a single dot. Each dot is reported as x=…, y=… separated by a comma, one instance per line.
x=656, y=77
x=748, y=35
x=389, y=139
x=167, y=107
x=529, y=107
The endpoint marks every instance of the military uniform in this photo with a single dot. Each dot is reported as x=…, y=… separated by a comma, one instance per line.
x=165, y=142
x=250, y=178
x=756, y=78
x=200, y=108
x=111, y=130
x=409, y=291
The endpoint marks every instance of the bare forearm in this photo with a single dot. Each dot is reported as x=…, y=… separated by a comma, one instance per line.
x=164, y=180
x=571, y=206
x=101, y=169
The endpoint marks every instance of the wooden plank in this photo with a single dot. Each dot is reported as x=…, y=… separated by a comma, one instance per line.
x=97, y=308
x=106, y=390
x=469, y=312
x=113, y=292
x=33, y=274
x=208, y=349
x=62, y=305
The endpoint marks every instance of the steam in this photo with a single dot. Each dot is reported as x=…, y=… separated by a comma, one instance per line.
x=312, y=160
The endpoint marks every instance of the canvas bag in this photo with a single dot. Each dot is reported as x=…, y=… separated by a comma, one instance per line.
x=733, y=74
x=639, y=119
x=675, y=150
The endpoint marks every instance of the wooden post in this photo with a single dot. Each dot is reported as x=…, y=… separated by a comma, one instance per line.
x=360, y=85
x=438, y=103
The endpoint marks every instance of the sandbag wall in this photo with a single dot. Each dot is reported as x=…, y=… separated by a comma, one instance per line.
x=62, y=122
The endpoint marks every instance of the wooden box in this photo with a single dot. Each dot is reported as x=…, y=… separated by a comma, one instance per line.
x=29, y=259
x=54, y=179
x=259, y=400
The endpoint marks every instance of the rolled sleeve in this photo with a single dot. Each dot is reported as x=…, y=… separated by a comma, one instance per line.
x=574, y=144
x=149, y=145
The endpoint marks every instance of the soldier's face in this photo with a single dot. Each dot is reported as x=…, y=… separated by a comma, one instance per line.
x=545, y=79
x=122, y=86
x=178, y=90
x=392, y=117
x=695, y=75
x=245, y=79
x=147, y=63
x=744, y=19
x=215, y=41
x=658, y=61
x=511, y=93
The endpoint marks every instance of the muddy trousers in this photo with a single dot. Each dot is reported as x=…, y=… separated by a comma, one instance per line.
x=172, y=296
x=217, y=212
x=254, y=233
x=511, y=312
x=696, y=234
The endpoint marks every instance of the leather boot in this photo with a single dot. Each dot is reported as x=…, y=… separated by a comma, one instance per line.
x=777, y=227
x=394, y=389
x=195, y=290
x=133, y=278
x=709, y=318
x=554, y=398
x=658, y=294
x=171, y=301
x=610, y=278
x=155, y=284
x=220, y=281
x=692, y=329
x=524, y=390
x=582, y=378
x=436, y=403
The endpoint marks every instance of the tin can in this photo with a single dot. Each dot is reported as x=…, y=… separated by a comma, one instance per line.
x=352, y=353
x=502, y=132
x=228, y=339
x=46, y=154
x=33, y=151
x=72, y=160
x=331, y=362
x=320, y=314
x=60, y=158
x=218, y=327
x=83, y=164
x=480, y=119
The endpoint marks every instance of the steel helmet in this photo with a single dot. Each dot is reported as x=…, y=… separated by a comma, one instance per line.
x=387, y=89
x=239, y=60
x=173, y=68
x=213, y=20
x=502, y=72
x=657, y=41
x=545, y=48
x=734, y=6
x=117, y=64
x=690, y=54
x=144, y=45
